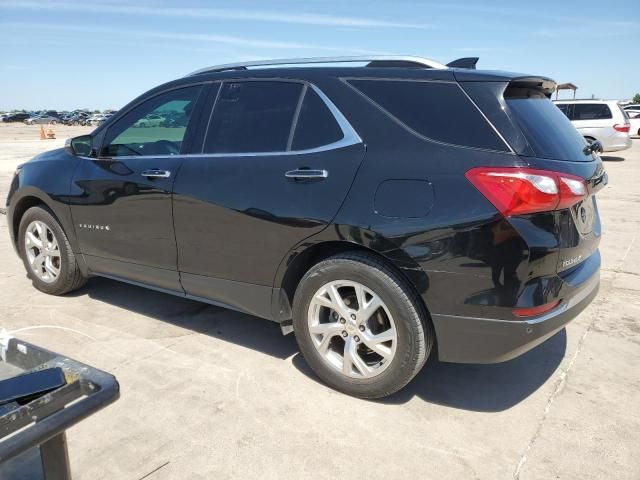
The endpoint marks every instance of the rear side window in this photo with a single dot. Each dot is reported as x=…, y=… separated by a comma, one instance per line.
x=316, y=125
x=437, y=110
x=253, y=117
x=548, y=131
x=591, y=111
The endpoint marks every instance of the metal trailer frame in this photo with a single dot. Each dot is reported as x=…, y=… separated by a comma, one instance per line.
x=43, y=422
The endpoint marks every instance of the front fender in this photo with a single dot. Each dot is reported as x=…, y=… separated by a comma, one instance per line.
x=45, y=179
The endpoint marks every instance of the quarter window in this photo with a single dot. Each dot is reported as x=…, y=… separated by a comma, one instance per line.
x=156, y=127
x=439, y=111
x=316, y=124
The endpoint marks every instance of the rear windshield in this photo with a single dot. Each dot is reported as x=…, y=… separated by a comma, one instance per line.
x=548, y=131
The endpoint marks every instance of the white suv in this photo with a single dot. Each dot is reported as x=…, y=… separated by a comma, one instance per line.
x=602, y=120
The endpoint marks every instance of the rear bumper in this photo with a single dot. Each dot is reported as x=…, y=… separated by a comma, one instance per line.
x=616, y=143
x=483, y=340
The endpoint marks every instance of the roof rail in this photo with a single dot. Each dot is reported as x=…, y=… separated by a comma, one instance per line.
x=415, y=61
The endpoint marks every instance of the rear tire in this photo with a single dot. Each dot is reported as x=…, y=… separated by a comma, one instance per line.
x=374, y=351
x=46, y=253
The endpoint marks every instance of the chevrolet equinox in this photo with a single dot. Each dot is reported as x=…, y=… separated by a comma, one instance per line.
x=379, y=208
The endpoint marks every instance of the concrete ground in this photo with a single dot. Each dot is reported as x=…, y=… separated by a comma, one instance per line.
x=210, y=393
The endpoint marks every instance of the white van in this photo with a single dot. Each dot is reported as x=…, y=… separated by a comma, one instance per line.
x=602, y=120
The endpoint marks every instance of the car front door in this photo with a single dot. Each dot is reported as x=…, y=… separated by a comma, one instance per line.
x=278, y=160
x=121, y=200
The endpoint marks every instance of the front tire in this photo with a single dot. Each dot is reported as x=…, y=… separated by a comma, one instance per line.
x=360, y=326
x=46, y=253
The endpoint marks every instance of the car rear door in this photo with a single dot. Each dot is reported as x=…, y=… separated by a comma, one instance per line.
x=121, y=200
x=278, y=159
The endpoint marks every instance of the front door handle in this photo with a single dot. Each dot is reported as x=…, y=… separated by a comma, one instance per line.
x=156, y=173
x=304, y=173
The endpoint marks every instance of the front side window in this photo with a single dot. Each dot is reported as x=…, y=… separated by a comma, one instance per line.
x=591, y=111
x=156, y=127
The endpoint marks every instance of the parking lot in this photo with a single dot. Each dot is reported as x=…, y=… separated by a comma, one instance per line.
x=211, y=393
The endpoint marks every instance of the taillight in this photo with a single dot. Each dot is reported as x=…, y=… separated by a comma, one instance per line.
x=622, y=127
x=533, y=311
x=518, y=191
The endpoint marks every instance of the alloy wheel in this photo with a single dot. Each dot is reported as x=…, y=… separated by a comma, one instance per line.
x=43, y=252
x=352, y=329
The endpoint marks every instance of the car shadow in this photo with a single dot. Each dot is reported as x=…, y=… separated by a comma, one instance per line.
x=479, y=388
x=482, y=388
x=217, y=322
x=609, y=158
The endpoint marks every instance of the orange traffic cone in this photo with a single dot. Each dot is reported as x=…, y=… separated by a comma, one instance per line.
x=51, y=133
x=42, y=135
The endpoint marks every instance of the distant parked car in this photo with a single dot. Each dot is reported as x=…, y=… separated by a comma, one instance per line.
x=634, y=122
x=632, y=106
x=76, y=119
x=95, y=119
x=16, y=117
x=602, y=120
x=150, y=120
x=42, y=119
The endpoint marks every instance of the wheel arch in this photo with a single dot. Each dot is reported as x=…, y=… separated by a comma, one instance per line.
x=20, y=207
x=29, y=196
x=314, y=250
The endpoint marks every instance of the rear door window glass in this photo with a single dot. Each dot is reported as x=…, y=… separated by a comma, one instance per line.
x=591, y=111
x=439, y=111
x=253, y=117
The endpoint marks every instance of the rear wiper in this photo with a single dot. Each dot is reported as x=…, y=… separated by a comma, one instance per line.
x=594, y=146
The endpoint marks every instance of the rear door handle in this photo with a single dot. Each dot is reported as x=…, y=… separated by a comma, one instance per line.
x=156, y=173
x=304, y=173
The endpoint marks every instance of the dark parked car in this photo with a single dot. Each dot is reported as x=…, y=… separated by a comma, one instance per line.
x=376, y=209
x=16, y=117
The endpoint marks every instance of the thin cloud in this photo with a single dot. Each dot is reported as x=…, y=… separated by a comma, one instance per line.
x=191, y=37
x=548, y=18
x=481, y=49
x=318, y=19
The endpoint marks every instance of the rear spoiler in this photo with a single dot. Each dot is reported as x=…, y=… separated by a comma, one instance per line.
x=466, y=62
x=544, y=84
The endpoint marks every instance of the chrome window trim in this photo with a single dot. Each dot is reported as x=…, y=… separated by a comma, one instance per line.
x=349, y=135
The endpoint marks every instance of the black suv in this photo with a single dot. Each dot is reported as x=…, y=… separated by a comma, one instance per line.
x=376, y=207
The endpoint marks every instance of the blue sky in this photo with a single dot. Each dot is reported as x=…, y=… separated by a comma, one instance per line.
x=84, y=53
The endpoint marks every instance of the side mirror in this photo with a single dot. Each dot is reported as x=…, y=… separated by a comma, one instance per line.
x=79, y=146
